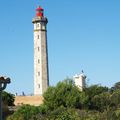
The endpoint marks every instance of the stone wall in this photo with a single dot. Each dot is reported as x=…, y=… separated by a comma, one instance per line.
x=31, y=100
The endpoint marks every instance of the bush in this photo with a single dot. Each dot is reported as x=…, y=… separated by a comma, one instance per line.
x=65, y=94
x=24, y=113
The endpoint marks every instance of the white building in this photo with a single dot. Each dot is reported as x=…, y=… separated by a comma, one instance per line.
x=79, y=80
x=41, y=75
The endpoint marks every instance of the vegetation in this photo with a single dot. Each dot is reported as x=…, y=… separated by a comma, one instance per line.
x=66, y=102
x=8, y=100
x=65, y=94
x=24, y=113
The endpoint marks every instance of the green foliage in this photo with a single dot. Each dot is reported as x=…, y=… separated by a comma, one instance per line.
x=43, y=109
x=65, y=94
x=66, y=102
x=64, y=114
x=116, y=87
x=116, y=114
x=101, y=101
x=8, y=98
x=93, y=91
x=115, y=99
x=24, y=113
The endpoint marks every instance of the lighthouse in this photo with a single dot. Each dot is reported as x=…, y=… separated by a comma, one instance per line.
x=41, y=75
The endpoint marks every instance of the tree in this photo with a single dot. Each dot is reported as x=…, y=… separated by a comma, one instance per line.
x=25, y=112
x=64, y=114
x=66, y=102
x=101, y=102
x=65, y=94
x=93, y=91
x=115, y=99
x=60, y=113
x=116, y=87
x=8, y=98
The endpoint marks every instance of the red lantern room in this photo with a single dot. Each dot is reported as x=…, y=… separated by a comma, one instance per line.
x=39, y=12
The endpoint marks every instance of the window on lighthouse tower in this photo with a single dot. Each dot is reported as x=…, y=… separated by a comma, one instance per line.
x=38, y=48
x=38, y=25
x=38, y=60
x=38, y=36
x=38, y=73
x=38, y=85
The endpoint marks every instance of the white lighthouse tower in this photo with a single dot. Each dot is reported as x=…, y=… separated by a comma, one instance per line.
x=41, y=75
